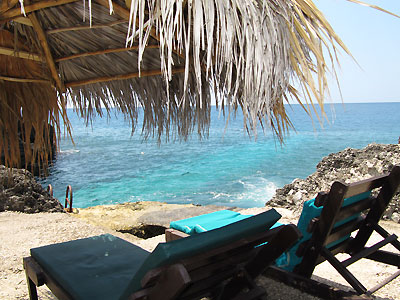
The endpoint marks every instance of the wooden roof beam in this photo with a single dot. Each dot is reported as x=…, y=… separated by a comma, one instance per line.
x=106, y=51
x=120, y=77
x=16, y=12
x=24, y=80
x=20, y=54
x=46, y=49
x=86, y=27
x=7, y=4
x=23, y=20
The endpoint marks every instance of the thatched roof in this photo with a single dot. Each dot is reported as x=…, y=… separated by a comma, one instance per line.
x=169, y=57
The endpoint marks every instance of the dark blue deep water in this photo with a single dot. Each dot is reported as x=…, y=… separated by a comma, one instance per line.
x=107, y=165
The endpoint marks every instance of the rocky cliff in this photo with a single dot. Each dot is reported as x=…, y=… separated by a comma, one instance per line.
x=19, y=191
x=348, y=166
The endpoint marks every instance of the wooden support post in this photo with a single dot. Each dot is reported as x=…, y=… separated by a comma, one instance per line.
x=46, y=49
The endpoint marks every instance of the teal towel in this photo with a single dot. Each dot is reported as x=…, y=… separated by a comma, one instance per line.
x=206, y=226
x=289, y=259
x=208, y=222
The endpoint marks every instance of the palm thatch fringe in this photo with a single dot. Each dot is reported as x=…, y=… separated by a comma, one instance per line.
x=252, y=50
x=160, y=116
x=26, y=123
x=30, y=111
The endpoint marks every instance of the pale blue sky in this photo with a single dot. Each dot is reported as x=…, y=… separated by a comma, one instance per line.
x=373, y=38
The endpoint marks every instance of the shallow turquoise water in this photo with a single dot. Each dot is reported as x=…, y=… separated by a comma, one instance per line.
x=107, y=165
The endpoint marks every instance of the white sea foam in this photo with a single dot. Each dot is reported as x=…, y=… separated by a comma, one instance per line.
x=259, y=190
x=219, y=195
x=69, y=151
x=254, y=191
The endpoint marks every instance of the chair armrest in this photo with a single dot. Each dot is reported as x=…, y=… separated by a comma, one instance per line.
x=173, y=234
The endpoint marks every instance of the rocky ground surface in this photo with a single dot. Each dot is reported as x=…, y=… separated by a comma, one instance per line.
x=19, y=191
x=130, y=216
x=20, y=232
x=348, y=166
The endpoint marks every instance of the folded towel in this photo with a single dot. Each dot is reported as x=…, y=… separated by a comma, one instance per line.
x=207, y=222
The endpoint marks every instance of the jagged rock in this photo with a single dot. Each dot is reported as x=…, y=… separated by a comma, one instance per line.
x=133, y=216
x=19, y=191
x=348, y=166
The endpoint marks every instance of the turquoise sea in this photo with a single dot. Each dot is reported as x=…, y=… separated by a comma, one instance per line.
x=107, y=165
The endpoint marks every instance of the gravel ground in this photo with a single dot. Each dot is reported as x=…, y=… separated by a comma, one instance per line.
x=19, y=232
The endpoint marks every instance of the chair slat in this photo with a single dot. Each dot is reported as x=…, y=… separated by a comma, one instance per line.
x=354, y=209
x=386, y=193
x=207, y=271
x=385, y=234
x=199, y=287
x=367, y=251
x=363, y=186
x=344, y=230
x=324, y=232
x=219, y=264
x=242, y=246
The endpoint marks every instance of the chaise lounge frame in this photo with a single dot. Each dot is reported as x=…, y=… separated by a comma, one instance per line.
x=227, y=272
x=314, y=250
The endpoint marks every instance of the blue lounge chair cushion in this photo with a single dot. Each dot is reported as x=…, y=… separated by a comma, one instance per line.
x=289, y=259
x=208, y=221
x=172, y=252
x=98, y=268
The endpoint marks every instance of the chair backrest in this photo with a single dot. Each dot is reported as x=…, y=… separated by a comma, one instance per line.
x=206, y=274
x=337, y=221
x=310, y=213
x=199, y=250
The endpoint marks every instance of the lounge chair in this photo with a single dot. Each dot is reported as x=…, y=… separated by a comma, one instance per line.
x=327, y=224
x=342, y=221
x=220, y=263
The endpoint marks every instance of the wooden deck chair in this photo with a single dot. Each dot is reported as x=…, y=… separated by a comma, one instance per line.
x=220, y=264
x=346, y=209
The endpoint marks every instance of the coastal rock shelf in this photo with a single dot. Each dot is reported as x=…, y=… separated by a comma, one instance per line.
x=348, y=166
x=19, y=191
x=142, y=219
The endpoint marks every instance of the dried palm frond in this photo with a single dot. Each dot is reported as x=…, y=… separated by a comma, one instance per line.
x=254, y=52
x=30, y=111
